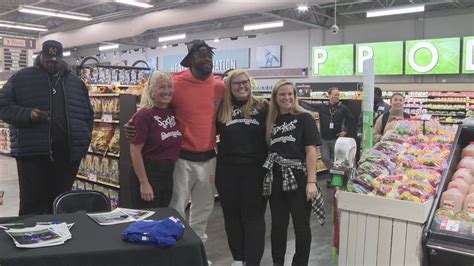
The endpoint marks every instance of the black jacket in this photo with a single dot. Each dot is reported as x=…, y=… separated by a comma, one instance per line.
x=342, y=118
x=30, y=88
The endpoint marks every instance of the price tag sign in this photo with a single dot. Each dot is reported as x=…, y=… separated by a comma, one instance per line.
x=450, y=225
x=107, y=118
x=93, y=177
x=426, y=117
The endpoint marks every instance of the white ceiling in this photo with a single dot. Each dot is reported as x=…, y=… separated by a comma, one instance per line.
x=138, y=27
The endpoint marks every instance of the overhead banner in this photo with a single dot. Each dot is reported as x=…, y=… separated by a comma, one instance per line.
x=468, y=58
x=436, y=56
x=388, y=57
x=333, y=60
x=223, y=60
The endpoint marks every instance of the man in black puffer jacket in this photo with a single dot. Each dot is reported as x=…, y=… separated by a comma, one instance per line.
x=51, y=119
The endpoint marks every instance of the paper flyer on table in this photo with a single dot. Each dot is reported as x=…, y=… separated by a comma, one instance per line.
x=40, y=235
x=120, y=215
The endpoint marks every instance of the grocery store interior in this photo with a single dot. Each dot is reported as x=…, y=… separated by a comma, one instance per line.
x=407, y=199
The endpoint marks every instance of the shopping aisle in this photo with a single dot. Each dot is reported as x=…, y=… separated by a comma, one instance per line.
x=9, y=184
x=216, y=248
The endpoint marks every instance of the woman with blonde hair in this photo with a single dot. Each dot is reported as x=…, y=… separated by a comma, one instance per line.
x=290, y=183
x=239, y=173
x=156, y=145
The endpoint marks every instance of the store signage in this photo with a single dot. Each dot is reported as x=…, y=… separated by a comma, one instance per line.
x=388, y=57
x=223, y=60
x=333, y=60
x=436, y=56
x=468, y=58
x=20, y=43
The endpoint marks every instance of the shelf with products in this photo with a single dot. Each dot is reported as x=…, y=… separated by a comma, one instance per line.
x=113, y=92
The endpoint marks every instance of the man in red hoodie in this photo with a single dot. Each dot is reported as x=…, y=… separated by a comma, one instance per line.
x=197, y=94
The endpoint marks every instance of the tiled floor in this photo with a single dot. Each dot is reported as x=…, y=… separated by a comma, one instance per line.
x=216, y=247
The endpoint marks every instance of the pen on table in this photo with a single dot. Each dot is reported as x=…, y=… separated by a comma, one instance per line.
x=5, y=226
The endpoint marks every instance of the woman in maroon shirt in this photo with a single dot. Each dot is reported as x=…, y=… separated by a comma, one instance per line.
x=155, y=146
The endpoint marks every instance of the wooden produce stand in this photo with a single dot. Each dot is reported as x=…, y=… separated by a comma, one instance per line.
x=380, y=231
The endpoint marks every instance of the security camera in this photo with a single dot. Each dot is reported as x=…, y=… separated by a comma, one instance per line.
x=334, y=29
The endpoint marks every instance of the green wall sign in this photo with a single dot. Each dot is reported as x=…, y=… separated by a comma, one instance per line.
x=388, y=57
x=436, y=56
x=333, y=60
x=468, y=58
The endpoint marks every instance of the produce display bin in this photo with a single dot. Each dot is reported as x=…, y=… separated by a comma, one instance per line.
x=380, y=231
x=450, y=244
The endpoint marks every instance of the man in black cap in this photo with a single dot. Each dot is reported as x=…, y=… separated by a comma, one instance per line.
x=196, y=96
x=51, y=118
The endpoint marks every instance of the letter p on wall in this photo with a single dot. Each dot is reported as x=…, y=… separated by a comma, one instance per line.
x=364, y=53
x=469, y=56
x=320, y=57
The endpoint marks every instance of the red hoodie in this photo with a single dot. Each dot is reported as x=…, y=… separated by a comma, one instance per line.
x=195, y=103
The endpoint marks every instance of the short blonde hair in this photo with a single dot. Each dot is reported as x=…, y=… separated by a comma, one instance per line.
x=224, y=112
x=273, y=110
x=155, y=78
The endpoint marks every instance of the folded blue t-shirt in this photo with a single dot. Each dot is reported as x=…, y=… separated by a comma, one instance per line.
x=163, y=233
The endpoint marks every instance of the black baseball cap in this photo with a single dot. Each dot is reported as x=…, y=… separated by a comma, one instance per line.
x=52, y=51
x=192, y=47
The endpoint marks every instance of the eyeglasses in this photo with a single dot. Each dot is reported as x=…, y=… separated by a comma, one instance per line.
x=239, y=83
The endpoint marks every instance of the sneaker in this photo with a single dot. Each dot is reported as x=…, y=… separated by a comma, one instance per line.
x=237, y=263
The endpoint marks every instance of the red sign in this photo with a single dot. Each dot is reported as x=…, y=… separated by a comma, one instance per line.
x=23, y=43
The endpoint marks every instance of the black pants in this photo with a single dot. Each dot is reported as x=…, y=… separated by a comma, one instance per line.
x=41, y=181
x=282, y=204
x=240, y=192
x=160, y=176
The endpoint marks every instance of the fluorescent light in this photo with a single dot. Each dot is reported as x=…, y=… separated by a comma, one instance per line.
x=134, y=3
x=266, y=25
x=165, y=46
x=172, y=37
x=303, y=8
x=67, y=53
x=108, y=47
x=53, y=12
x=395, y=11
x=34, y=56
x=216, y=40
x=22, y=26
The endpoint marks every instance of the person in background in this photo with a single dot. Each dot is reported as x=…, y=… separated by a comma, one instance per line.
x=51, y=116
x=155, y=146
x=290, y=182
x=242, y=149
x=197, y=94
x=380, y=108
x=387, y=121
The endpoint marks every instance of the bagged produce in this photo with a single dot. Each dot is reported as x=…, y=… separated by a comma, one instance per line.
x=358, y=186
x=372, y=169
x=386, y=191
x=389, y=148
x=430, y=176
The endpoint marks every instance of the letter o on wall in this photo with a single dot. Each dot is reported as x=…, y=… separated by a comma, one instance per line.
x=415, y=49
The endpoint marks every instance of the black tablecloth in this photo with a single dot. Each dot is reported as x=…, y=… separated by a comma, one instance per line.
x=94, y=244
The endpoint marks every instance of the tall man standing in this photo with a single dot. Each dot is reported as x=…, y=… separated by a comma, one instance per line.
x=197, y=94
x=51, y=119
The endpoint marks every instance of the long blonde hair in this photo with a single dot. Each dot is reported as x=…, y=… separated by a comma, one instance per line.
x=224, y=112
x=155, y=78
x=274, y=111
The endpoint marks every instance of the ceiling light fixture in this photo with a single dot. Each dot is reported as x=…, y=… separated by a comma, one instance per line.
x=216, y=40
x=395, y=11
x=53, y=13
x=266, y=25
x=165, y=46
x=66, y=53
x=108, y=47
x=22, y=26
x=172, y=37
x=303, y=8
x=134, y=3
